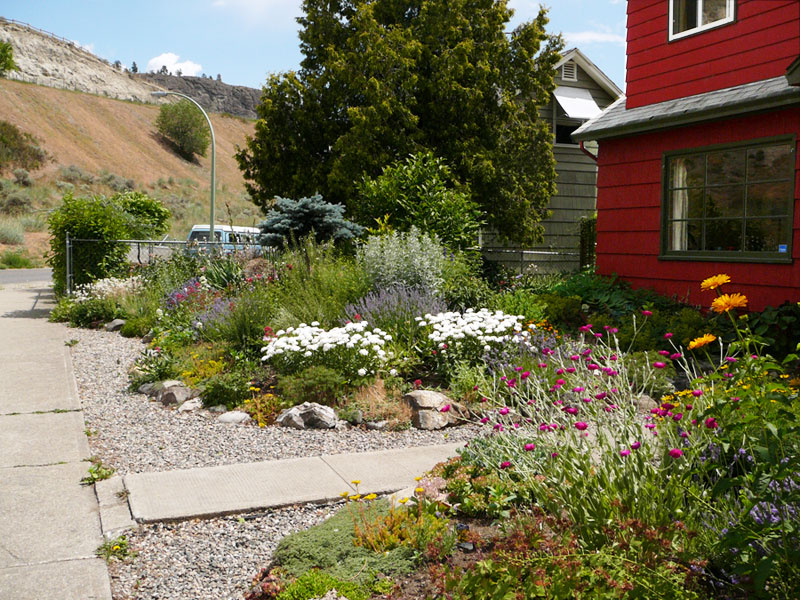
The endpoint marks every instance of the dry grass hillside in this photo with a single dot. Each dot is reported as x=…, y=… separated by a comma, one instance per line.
x=101, y=136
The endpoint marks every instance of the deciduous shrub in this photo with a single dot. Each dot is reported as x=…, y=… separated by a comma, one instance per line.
x=315, y=384
x=19, y=149
x=184, y=125
x=412, y=258
x=11, y=232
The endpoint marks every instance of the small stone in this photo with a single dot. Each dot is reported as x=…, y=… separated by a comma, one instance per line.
x=218, y=409
x=308, y=415
x=191, y=405
x=148, y=389
x=377, y=425
x=148, y=337
x=115, y=325
x=234, y=416
x=175, y=394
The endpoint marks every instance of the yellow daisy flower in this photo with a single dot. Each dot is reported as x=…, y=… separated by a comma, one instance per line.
x=370, y=497
x=714, y=282
x=703, y=340
x=727, y=302
x=403, y=500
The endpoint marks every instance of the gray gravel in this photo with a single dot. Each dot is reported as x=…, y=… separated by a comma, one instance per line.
x=134, y=434
x=205, y=560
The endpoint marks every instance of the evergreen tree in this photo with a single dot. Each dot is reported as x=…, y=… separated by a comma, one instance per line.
x=134, y=68
x=383, y=79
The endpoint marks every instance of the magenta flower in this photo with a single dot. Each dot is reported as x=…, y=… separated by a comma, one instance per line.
x=554, y=454
x=697, y=393
x=571, y=410
x=601, y=395
x=484, y=399
x=505, y=464
x=676, y=453
x=711, y=423
x=636, y=445
x=647, y=313
x=593, y=367
x=504, y=410
x=498, y=427
x=445, y=408
x=688, y=407
x=525, y=375
x=559, y=371
x=735, y=399
x=675, y=356
x=529, y=447
x=684, y=434
x=667, y=336
x=485, y=420
x=650, y=425
x=730, y=359
x=560, y=382
x=664, y=352
x=659, y=365
x=677, y=416
x=586, y=399
x=581, y=425
x=518, y=369
x=598, y=335
x=624, y=452
x=542, y=365
x=577, y=390
x=570, y=369
x=574, y=357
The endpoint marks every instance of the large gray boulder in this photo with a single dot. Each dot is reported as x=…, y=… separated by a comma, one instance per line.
x=174, y=394
x=308, y=415
x=426, y=410
x=115, y=325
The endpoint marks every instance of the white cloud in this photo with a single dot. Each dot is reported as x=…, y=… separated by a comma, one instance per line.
x=173, y=64
x=578, y=38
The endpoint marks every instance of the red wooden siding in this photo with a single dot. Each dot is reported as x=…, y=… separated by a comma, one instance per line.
x=760, y=44
x=629, y=213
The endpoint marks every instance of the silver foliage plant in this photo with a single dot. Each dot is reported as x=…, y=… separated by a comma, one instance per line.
x=412, y=259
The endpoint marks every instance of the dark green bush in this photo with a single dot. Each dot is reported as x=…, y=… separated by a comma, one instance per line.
x=229, y=388
x=315, y=384
x=463, y=287
x=16, y=203
x=315, y=584
x=291, y=221
x=522, y=302
x=87, y=313
x=609, y=295
x=563, y=311
x=19, y=149
x=684, y=324
x=184, y=125
x=136, y=327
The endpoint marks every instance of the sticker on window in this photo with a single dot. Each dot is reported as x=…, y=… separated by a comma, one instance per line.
x=782, y=248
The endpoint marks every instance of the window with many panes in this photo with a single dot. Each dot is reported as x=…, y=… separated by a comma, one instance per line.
x=730, y=203
x=690, y=16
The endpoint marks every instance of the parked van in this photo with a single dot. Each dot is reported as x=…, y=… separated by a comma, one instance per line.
x=229, y=238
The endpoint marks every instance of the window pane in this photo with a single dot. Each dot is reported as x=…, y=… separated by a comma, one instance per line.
x=687, y=171
x=684, y=235
x=766, y=235
x=768, y=199
x=769, y=162
x=695, y=236
x=725, y=201
x=724, y=235
x=714, y=10
x=684, y=14
x=726, y=167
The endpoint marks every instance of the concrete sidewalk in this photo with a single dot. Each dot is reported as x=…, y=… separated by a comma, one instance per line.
x=49, y=523
x=212, y=491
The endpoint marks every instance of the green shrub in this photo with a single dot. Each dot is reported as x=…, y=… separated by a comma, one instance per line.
x=19, y=149
x=86, y=313
x=422, y=192
x=243, y=326
x=117, y=183
x=291, y=221
x=645, y=378
x=522, y=302
x=15, y=260
x=22, y=177
x=16, y=203
x=75, y=174
x=136, y=327
x=228, y=388
x=315, y=384
x=184, y=125
x=684, y=324
x=330, y=548
x=105, y=219
x=413, y=259
x=315, y=584
x=609, y=295
x=563, y=311
x=11, y=233
x=462, y=285
x=7, y=58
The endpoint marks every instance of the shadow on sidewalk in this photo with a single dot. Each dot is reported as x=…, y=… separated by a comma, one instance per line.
x=40, y=308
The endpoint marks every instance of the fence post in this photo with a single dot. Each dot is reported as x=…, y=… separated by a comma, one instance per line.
x=69, y=265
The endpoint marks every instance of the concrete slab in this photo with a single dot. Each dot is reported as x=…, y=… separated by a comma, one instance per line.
x=211, y=491
x=387, y=471
x=44, y=439
x=26, y=388
x=115, y=514
x=45, y=515
x=85, y=579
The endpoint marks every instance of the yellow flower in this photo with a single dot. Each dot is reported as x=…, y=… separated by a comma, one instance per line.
x=419, y=490
x=403, y=500
x=702, y=341
x=726, y=302
x=417, y=478
x=344, y=494
x=115, y=548
x=355, y=481
x=714, y=282
x=370, y=497
x=355, y=496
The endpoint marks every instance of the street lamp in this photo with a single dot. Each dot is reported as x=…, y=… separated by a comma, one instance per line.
x=211, y=238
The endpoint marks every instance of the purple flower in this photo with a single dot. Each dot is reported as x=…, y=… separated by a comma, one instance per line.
x=677, y=416
x=667, y=336
x=504, y=410
x=697, y=393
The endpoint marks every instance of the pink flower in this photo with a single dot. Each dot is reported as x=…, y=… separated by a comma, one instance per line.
x=577, y=390
x=574, y=357
x=711, y=423
x=529, y=447
x=560, y=382
x=684, y=434
x=647, y=313
x=586, y=399
x=676, y=453
x=675, y=356
x=664, y=352
x=677, y=416
x=659, y=365
x=570, y=369
x=697, y=393
x=601, y=395
x=485, y=420
x=730, y=359
x=598, y=335
x=475, y=388
x=418, y=383
x=614, y=330
x=505, y=464
x=445, y=408
x=525, y=375
x=636, y=445
x=667, y=336
x=624, y=452
x=542, y=365
x=571, y=410
x=593, y=367
x=650, y=425
x=498, y=427
x=735, y=399
x=560, y=372
x=581, y=425
x=504, y=410
x=554, y=454
x=484, y=399
x=518, y=369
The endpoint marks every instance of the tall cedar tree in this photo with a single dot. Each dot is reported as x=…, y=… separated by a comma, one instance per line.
x=383, y=79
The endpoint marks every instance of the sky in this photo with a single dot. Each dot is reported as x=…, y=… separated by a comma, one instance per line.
x=245, y=40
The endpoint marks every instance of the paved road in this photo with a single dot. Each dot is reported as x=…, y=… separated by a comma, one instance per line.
x=49, y=523
x=10, y=276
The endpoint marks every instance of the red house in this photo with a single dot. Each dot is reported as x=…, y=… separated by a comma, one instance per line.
x=698, y=166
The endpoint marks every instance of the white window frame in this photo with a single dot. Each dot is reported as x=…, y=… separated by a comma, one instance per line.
x=729, y=9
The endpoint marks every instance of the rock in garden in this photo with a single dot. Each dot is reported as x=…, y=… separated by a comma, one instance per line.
x=377, y=425
x=148, y=337
x=148, y=389
x=191, y=405
x=115, y=325
x=426, y=409
x=234, y=416
x=174, y=394
x=646, y=403
x=308, y=415
x=218, y=409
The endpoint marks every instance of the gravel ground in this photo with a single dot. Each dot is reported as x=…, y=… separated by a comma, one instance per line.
x=133, y=434
x=205, y=560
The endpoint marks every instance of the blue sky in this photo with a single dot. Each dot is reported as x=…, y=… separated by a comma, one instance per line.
x=244, y=40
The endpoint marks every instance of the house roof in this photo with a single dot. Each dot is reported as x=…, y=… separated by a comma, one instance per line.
x=616, y=120
x=793, y=72
x=591, y=69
